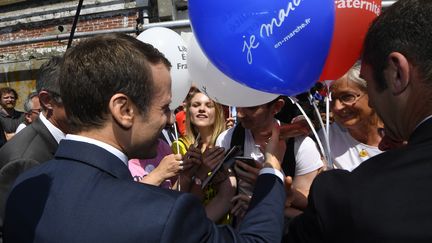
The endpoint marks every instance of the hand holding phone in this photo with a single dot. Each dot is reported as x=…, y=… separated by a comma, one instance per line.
x=228, y=156
x=248, y=160
x=247, y=169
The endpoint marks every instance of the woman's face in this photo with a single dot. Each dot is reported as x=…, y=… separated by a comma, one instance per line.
x=202, y=111
x=349, y=104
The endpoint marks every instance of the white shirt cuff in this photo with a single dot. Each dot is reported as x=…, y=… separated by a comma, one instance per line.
x=272, y=171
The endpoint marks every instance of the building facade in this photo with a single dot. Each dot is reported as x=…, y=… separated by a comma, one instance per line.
x=33, y=31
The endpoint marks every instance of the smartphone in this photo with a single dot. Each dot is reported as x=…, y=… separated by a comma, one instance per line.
x=248, y=160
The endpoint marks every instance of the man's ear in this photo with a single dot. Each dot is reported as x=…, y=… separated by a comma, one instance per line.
x=397, y=72
x=45, y=100
x=278, y=105
x=122, y=110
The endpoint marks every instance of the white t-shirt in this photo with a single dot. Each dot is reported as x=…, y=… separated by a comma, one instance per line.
x=20, y=127
x=346, y=152
x=307, y=156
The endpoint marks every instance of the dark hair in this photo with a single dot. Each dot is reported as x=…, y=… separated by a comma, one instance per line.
x=48, y=78
x=7, y=90
x=99, y=67
x=288, y=111
x=405, y=27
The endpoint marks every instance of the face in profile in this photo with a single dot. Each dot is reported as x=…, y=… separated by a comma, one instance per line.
x=202, y=111
x=382, y=102
x=349, y=103
x=8, y=100
x=148, y=127
x=255, y=117
x=34, y=112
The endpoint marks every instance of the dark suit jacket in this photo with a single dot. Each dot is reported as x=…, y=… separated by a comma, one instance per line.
x=33, y=142
x=386, y=199
x=86, y=194
x=2, y=136
x=28, y=148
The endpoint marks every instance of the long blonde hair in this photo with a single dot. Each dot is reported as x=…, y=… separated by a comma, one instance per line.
x=218, y=125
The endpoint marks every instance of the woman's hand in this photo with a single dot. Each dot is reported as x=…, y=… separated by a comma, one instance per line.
x=213, y=156
x=191, y=161
x=210, y=159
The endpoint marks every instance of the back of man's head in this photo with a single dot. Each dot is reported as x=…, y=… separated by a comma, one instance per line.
x=99, y=67
x=48, y=76
x=405, y=27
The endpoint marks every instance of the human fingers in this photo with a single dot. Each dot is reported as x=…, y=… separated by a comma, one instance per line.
x=241, y=204
x=241, y=197
x=245, y=175
x=288, y=186
x=192, y=157
x=236, y=208
x=275, y=148
x=246, y=167
x=213, y=157
x=213, y=152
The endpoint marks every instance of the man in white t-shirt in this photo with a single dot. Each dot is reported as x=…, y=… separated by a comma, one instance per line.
x=257, y=123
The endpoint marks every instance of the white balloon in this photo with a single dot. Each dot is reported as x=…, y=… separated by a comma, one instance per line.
x=217, y=85
x=174, y=48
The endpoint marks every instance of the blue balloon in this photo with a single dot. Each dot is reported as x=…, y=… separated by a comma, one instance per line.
x=273, y=46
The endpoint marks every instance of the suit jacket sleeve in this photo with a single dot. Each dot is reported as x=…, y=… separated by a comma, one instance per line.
x=328, y=208
x=8, y=175
x=263, y=222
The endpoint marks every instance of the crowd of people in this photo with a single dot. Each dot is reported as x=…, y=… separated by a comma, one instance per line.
x=95, y=156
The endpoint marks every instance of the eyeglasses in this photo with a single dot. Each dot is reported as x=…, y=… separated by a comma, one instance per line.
x=346, y=98
x=35, y=111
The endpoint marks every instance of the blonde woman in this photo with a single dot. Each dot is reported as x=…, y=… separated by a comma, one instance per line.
x=204, y=122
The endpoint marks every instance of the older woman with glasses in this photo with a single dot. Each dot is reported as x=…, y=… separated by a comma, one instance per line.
x=354, y=136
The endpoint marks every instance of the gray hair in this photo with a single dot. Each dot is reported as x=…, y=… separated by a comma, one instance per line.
x=28, y=104
x=353, y=75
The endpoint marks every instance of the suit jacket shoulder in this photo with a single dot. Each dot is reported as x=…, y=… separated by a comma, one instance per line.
x=34, y=142
x=87, y=194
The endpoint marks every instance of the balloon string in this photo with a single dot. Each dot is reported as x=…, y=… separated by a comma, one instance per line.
x=310, y=124
x=325, y=130
x=178, y=152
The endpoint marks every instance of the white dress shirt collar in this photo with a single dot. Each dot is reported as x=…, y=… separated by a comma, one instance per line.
x=57, y=133
x=101, y=144
x=427, y=118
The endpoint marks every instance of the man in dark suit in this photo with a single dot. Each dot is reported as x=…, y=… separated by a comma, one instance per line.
x=387, y=198
x=38, y=142
x=116, y=92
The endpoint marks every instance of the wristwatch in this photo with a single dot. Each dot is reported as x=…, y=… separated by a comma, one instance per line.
x=197, y=180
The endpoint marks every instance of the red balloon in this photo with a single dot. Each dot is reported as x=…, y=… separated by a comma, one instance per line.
x=352, y=21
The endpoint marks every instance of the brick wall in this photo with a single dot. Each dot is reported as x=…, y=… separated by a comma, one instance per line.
x=51, y=27
x=12, y=58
